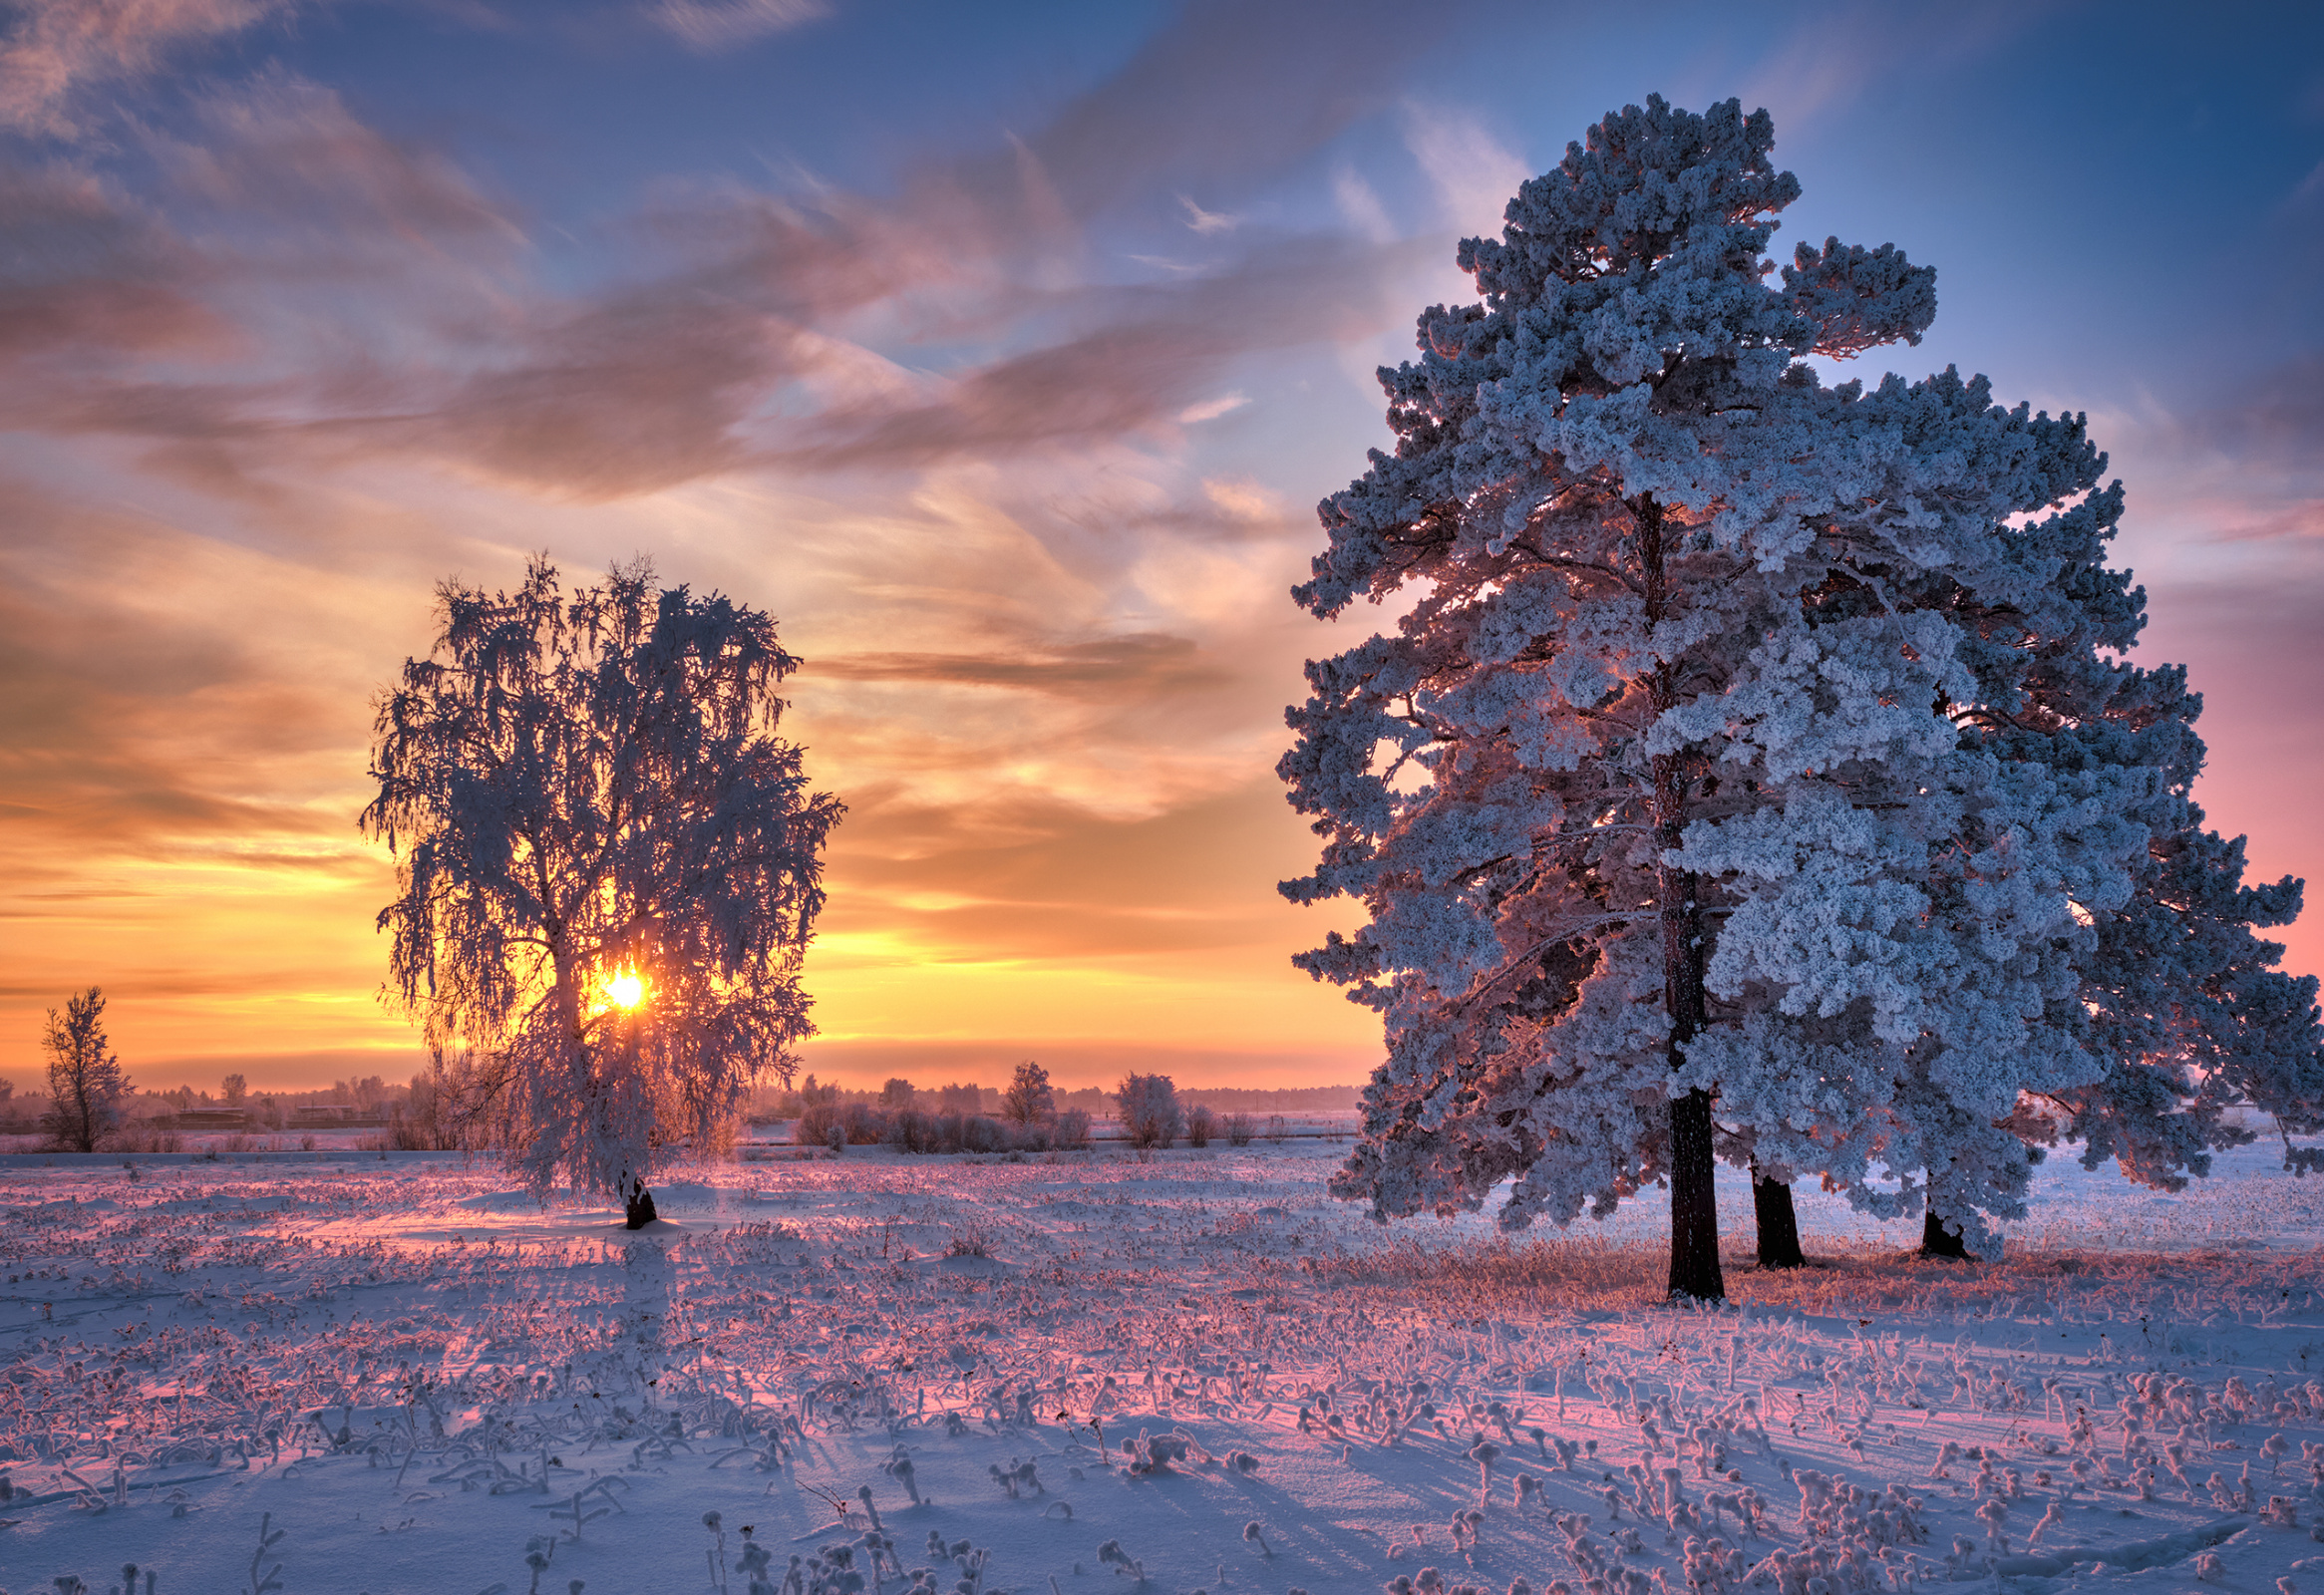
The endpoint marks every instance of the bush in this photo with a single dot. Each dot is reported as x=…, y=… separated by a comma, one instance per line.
x=144, y=1136
x=1200, y=1124
x=1070, y=1131
x=813, y=1124
x=855, y=1123
x=1277, y=1130
x=1151, y=1115
x=912, y=1130
x=451, y=1109
x=1239, y=1128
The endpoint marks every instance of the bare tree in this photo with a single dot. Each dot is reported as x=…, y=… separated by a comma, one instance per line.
x=85, y=1079
x=1029, y=1096
x=608, y=866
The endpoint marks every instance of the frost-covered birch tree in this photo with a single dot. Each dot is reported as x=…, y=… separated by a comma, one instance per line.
x=1709, y=796
x=608, y=864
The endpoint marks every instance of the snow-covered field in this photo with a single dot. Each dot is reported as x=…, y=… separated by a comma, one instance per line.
x=1070, y=1375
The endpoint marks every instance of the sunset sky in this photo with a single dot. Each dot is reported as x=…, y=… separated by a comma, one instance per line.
x=1001, y=351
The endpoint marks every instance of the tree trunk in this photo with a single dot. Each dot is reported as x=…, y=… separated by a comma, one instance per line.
x=1694, y=1202
x=1778, y=1224
x=1939, y=1241
x=640, y=1203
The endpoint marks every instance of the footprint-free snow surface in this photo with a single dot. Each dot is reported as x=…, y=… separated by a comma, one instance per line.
x=1091, y=1374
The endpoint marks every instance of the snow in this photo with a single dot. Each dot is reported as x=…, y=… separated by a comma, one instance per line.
x=182, y=1352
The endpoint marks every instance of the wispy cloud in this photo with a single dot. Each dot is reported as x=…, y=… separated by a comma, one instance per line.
x=1211, y=408
x=57, y=50
x=1207, y=221
x=1474, y=172
x=710, y=25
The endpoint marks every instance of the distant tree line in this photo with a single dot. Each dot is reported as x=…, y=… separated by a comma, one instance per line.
x=1098, y=1102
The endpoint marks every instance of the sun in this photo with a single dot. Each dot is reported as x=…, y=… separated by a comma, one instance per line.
x=625, y=990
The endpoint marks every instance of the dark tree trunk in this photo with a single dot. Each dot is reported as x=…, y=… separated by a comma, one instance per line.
x=641, y=1207
x=1694, y=1203
x=1778, y=1224
x=1939, y=1241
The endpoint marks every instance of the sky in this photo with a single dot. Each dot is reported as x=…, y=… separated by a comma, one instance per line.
x=1001, y=352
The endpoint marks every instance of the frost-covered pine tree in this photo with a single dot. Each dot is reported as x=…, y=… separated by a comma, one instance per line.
x=2179, y=995
x=609, y=865
x=1704, y=800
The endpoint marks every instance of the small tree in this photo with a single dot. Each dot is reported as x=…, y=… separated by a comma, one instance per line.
x=86, y=1085
x=959, y=1098
x=897, y=1093
x=1029, y=1096
x=234, y=1087
x=1151, y=1115
x=608, y=864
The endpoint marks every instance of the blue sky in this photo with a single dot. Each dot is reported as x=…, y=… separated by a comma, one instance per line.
x=1000, y=350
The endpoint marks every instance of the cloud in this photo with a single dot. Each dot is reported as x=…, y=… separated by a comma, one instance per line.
x=714, y=25
x=1831, y=59
x=1359, y=205
x=1473, y=172
x=1144, y=357
x=86, y=277
x=58, y=47
x=1225, y=93
x=285, y=154
x=1109, y=668
x=1207, y=221
x=118, y=699
x=2278, y=414
x=621, y=398
x=1029, y=878
x=1211, y=408
x=761, y=331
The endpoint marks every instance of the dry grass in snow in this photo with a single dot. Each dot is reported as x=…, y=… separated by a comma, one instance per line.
x=1094, y=1373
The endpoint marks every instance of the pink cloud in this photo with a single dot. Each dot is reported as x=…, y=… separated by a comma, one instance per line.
x=60, y=48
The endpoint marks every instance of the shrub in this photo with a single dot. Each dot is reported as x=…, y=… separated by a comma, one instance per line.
x=1277, y=1130
x=1200, y=1124
x=1070, y=1131
x=813, y=1127
x=1151, y=1115
x=452, y=1107
x=913, y=1130
x=1239, y=1128
x=144, y=1136
x=981, y=1134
